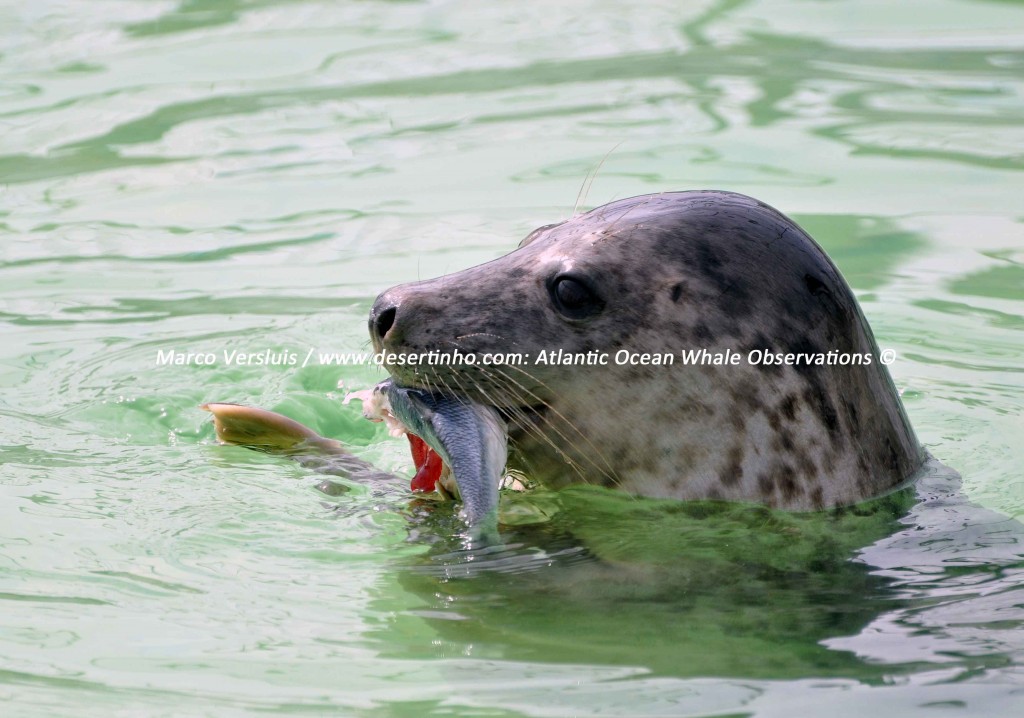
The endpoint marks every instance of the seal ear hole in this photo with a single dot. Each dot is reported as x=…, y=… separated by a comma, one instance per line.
x=573, y=297
x=677, y=292
x=814, y=285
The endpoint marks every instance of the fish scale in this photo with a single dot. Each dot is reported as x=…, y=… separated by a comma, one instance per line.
x=470, y=438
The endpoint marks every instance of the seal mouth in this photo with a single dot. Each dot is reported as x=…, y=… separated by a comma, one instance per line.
x=520, y=420
x=428, y=463
x=433, y=474
x=459, y=447
x=521, y=403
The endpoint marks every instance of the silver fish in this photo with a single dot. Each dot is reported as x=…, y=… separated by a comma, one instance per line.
x=471, y=439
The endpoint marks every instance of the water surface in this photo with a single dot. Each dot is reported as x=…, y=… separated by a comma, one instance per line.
x=213, y=175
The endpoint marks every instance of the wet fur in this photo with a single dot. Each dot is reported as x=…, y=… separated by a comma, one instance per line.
x=677, y=271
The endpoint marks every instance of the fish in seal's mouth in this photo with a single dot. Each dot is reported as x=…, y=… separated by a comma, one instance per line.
x=456, y=443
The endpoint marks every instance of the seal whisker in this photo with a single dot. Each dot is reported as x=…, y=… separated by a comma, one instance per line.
x=528, y=423
x=816, y=424
x=585, y=189
x=481, y=389
x=610, y=471
x=579, y=194
x=510, y=405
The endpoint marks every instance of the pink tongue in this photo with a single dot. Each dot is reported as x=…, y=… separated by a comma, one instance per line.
x=428, y=465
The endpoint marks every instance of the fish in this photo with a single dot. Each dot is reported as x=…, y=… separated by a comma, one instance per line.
x=457, y=444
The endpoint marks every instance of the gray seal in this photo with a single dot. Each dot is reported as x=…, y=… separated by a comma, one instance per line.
x=661, y=275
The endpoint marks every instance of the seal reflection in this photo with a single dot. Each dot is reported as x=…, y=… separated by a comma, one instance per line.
x=699, y=588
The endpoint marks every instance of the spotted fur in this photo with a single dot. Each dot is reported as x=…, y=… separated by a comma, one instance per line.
x=674, y=271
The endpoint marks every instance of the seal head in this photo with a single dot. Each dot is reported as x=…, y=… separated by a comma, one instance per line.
x=657, y=276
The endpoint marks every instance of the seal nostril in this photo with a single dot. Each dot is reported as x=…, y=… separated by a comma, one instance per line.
x=385, y=320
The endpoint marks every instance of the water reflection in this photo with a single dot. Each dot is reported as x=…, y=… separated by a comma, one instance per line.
x=696, y=589
x=203, y=174
x=895, y=102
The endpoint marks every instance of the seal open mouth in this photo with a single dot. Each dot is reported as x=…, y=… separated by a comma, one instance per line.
x=456, y=443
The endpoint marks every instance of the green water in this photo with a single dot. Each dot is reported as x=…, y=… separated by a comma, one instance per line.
x=206, y=175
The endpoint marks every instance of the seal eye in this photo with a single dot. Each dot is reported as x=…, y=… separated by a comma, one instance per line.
x=574, y=298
